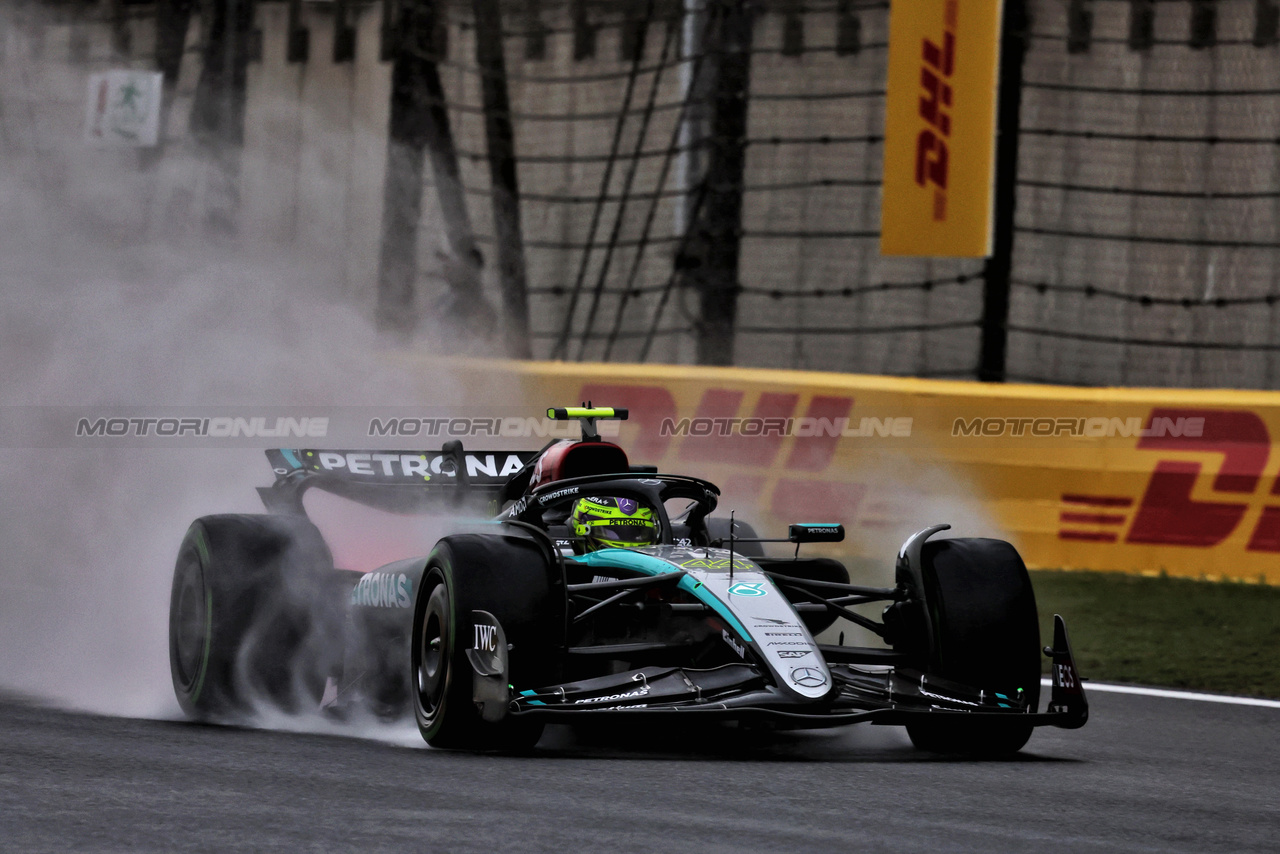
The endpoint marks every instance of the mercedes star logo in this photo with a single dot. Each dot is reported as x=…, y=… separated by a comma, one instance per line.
x=808, y=677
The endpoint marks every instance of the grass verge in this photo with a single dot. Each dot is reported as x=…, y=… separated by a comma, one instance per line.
x=1173, y=632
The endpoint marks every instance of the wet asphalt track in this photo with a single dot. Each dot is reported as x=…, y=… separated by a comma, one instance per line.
x=1145, y=775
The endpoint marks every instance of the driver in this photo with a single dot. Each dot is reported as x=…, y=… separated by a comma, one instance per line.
x=618, y=523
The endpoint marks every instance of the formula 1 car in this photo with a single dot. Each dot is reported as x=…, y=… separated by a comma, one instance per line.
x=600, y=590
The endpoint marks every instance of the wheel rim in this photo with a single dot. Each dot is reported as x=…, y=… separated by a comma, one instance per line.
x=190, y=628
x=433, y=654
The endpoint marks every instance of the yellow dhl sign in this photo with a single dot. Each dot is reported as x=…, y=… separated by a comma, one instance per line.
x=940, y=121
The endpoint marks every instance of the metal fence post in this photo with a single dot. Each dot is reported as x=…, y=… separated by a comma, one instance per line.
x=719, y=224
x=999, y=267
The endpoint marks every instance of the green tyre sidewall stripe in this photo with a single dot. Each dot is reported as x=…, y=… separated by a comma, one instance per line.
x=446, y=579
x=202, y=548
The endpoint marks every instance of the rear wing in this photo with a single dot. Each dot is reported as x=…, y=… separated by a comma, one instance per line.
x=399, y=481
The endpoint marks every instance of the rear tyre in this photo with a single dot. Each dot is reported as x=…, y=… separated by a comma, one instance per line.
x=511, y=579
x=986, y=634
x=248, y=618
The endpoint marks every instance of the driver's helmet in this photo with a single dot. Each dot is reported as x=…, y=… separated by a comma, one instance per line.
x=614, y=523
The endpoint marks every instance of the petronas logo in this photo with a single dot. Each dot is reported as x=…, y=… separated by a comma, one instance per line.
x=748, y=588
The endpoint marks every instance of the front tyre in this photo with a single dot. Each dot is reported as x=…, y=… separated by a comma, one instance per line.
x=986, y=634
x=509, y=578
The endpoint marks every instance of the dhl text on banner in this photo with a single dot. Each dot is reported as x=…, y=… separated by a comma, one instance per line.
x=939, y=154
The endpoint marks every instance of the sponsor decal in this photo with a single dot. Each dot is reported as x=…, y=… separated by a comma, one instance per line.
x=383, y=590
x=784, y=634
x=788, y=643
x=555, y=495
x=486, y=638
x=808, y=677
x=793, y=653
x=718, y=563
x=397, y=464
x=628, y=505
x=775, y=622
x=733, y=642
x=642, y=691
x=748, y=588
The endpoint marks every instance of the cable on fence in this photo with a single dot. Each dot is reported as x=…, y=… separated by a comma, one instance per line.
x=562, y=290
x=1204, y=195
x=1143, y=238
x=1091, y=291
x=575, y=245
x=1235, y=346
x=821, y=183
x=766, y=234
x=562, y=342
x=1155, y=42
x=860, y=330
x=651, y=213
x=708, y=26
x=925, y=285
x=667, y=290
x=846, y=292
x=1144, y=91
x=626, y=191
x=848, y=95
x=1150, y=137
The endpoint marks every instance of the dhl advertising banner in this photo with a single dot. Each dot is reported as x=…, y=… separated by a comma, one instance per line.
x=1133, y=480
x=940, y=121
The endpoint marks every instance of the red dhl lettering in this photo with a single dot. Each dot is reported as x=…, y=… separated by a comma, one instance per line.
x=938, y=65
x=1167, y=515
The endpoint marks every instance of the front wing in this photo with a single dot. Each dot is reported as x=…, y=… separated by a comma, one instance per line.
x=743, y=691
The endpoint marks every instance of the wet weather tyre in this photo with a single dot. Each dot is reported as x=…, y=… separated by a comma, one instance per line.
x=248, y=622
x=510, y=578
x=986, y=634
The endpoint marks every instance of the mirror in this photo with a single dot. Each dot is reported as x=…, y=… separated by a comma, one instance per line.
x=815, y=532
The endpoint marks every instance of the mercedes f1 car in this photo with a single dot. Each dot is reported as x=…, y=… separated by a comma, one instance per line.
x=599, y=590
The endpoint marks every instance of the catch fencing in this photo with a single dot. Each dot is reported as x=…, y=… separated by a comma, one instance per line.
x=666, y=216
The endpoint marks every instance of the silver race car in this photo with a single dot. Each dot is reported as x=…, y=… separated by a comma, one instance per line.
x=605, y=591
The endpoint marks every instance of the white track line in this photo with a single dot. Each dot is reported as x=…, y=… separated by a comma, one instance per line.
x=1175, y=695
